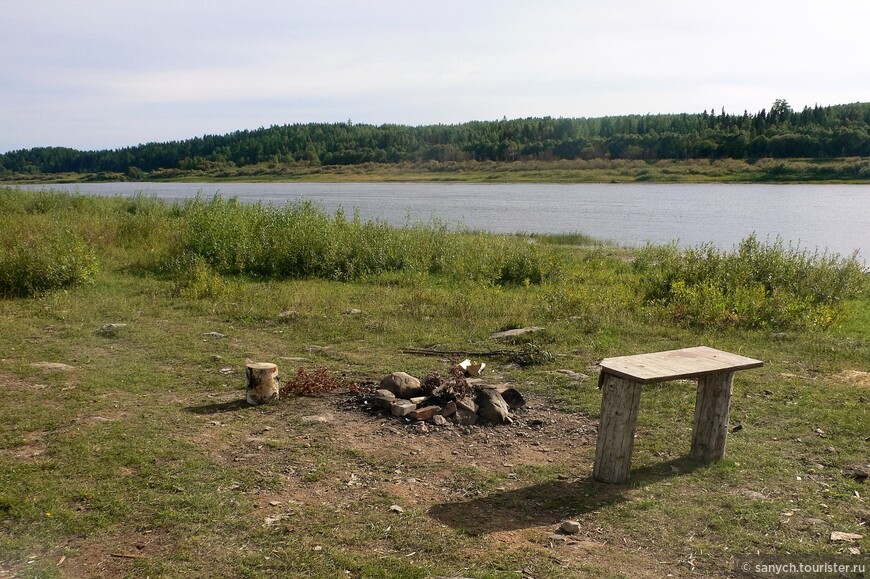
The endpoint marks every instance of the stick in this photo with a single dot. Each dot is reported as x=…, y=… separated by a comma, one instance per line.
x=428, y=352
x=126, y=556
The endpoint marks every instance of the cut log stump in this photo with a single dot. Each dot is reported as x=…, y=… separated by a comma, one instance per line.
x=262, y=383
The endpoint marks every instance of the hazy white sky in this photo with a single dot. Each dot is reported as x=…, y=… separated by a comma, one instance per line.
x=94, y=74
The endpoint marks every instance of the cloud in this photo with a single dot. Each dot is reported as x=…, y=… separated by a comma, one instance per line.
x=105, y=74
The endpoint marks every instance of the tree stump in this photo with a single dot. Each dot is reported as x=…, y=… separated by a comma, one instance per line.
x=262, y=383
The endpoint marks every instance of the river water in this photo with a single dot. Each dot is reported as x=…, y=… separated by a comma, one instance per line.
x=833, y=218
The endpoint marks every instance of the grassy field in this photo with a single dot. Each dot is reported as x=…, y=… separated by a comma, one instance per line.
x=126, y=448
x=843, y=170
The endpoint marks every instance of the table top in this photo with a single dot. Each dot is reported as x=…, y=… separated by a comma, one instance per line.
x=676, y=364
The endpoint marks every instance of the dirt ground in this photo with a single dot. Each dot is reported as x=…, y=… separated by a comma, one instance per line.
x=510, y=486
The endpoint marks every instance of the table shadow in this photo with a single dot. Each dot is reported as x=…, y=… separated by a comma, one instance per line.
x=550, y=502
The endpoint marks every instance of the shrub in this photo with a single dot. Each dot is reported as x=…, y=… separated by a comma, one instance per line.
x=300, y=240
x=40, y=259
x=756, y=285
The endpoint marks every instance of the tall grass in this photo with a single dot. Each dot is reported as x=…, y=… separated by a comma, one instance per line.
x=34, y=260
x=301, y=241
x=756, y=285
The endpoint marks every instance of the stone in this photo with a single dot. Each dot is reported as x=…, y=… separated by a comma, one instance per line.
x=466, y=404
x=215, y=335
x=570, y=527
x=512, y=396
x=383, y=398
x=52, y=366
x=840, y=537
x=397, y=509
x=571, y=374
x=352, y=312
x=492, y=407
x=424, y=413
x=401, y=407
x=857, y=474
x=558, y=538
x=401, y=384
x=464, y=417
x=317, y=419
x=514, y=333
x=439, y=420
x=418, y=400
x=449, y=409
x=110, y=329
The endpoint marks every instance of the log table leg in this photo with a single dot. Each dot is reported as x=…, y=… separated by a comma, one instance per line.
x=620, y=402
x=710, y=430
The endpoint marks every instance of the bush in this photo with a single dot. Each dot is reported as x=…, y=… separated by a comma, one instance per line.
x=756, y=285
x=38, y=260
x=300, y=240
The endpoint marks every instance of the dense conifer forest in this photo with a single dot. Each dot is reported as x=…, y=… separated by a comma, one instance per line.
x=781, y=132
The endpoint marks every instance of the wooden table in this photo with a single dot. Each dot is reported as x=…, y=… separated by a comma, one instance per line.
x=621, y=380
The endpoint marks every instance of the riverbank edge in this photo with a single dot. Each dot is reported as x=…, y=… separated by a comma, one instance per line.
x=786, y=171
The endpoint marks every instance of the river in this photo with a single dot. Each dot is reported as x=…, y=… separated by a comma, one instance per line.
x=832, y=218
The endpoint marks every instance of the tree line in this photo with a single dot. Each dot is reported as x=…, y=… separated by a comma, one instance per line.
x=781, y=132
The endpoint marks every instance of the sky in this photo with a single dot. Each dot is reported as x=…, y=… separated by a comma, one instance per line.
x=92, y=74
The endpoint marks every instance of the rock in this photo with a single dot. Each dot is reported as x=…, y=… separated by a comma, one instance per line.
x=492, y=407
x=558, y=538
x=110, y=329
x=418, y=400
x=396, y=509
x=570, y=374
x=383, y=398
x=216, y=358
x=840, y=537
x=401, y=407
x=424, y=413
x=317, y=419
x=466, y=404
x=401, y=384
x=449, y=409
x=352, y=312
x=513, y=398
x=215, y=335
x=570, y=527
x=856, y=473
x=439, y=420
x=514, y=333
x=287, y=314
x=52, y=366
x=464, y=417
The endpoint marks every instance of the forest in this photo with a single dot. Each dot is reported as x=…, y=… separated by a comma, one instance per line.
x=780, y=133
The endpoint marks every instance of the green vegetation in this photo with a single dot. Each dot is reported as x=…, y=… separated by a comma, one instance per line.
x=831, y=144
x=754, y=286
x=140, y=458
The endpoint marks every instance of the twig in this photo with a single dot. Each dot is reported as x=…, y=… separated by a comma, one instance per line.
x=126, y=556
x=428, y=352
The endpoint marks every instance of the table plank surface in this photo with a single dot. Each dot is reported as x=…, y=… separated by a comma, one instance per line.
x=676, y=364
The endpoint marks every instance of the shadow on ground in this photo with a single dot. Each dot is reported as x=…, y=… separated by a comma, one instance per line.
x=219, y=407
x=550, y=502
